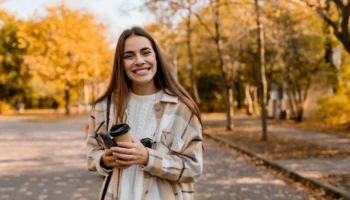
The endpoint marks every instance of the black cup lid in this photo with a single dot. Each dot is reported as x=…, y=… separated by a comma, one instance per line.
x=119, y=129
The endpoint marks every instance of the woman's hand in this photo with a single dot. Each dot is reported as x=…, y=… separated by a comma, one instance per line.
x=109, y=160
x=131, y=153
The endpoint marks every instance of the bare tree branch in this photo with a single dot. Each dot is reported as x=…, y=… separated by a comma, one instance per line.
x=341, y=25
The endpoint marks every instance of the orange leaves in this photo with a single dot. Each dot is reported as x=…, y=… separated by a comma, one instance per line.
x=73, y=44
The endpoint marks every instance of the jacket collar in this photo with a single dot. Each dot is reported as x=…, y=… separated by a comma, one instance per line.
x=168, y=98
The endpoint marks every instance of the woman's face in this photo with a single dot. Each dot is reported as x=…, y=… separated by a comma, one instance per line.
x=140, y=62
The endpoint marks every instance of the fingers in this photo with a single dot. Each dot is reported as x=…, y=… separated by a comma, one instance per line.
x=122, y=150
x=128, y=144
x=130, y=153
x=125, y=162
x=123, y=156
x=109, y=159
x=108, y=152
x=134, y=140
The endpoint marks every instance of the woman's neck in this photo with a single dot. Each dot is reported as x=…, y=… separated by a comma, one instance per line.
x=146, y=89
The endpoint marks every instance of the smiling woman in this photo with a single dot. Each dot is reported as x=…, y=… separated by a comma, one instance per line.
x=140, y=64
x=143, y=93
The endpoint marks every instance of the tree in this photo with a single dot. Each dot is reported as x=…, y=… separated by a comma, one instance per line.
x=165, y=10
x=335, y=109
x=337, y=18
x=68, y=49
x=14, y=73
x=300, y=51
x=262, y=77
x=213, y=28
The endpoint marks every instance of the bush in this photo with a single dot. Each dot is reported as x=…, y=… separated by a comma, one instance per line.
x=336, y=109
x=5, y=107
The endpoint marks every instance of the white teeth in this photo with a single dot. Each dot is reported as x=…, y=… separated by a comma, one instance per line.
x=141, y=72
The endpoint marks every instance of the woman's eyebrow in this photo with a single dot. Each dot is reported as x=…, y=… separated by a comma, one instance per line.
x=143, y=49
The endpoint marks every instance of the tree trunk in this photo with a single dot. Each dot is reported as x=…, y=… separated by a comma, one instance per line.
x=248, y=99
x=300, y=114
x=329, y=54
x=297, y=105
x=262, y=77
x=67, y=101
x=217, y=40
x=228, y=109
x=190, y=59
x=238, y=93
x=230, y=92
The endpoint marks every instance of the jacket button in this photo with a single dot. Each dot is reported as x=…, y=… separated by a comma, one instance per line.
x=157, y=109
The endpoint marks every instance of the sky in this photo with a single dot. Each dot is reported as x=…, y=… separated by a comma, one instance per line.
x=116, y=14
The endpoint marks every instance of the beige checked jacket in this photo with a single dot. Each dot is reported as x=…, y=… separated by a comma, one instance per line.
x=175, y=160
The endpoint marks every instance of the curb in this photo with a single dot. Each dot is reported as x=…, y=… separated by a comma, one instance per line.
x=329, y=189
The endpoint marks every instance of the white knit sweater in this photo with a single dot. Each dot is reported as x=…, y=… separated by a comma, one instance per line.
x=142, y=121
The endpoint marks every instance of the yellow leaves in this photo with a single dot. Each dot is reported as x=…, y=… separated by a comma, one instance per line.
x=22, y=44
x=36, y=31
x=296, y=27
x=276, y=14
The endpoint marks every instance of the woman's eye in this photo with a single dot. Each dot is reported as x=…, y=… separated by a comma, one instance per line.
x=147, y=53
x=127, y=57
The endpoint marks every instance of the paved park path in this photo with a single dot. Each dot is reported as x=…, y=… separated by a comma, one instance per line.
x=47, y=161
x=312, y=167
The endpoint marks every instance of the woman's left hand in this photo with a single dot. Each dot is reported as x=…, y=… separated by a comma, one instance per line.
x=131, y=153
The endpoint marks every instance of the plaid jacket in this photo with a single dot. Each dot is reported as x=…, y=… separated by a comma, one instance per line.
x=175, y=161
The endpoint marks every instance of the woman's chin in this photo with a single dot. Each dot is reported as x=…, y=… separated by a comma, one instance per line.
x=142, y=81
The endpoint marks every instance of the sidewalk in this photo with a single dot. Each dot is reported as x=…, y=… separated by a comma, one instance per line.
x=333, y=141
x=319, y=168
x=314, y=168
x=47, y=161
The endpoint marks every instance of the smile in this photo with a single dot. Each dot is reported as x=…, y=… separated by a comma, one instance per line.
x=141, y=71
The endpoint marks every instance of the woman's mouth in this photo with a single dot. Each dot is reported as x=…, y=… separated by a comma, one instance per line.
x=141, y=71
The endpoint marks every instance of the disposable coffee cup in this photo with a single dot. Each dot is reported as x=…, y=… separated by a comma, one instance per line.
x=120, y=133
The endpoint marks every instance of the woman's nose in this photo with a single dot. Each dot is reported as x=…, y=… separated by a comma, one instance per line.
x=139, y=60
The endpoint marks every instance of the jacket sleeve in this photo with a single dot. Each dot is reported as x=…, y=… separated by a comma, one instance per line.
x=94, y=150
x=184, y=161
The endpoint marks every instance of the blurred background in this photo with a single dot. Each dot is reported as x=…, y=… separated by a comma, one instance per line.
x=253, y=66
x=59, y=54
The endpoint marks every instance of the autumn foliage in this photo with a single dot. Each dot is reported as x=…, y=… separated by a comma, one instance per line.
x=60, y=52
x=212, y=47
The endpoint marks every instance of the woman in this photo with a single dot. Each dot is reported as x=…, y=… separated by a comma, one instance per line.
x=144, y=94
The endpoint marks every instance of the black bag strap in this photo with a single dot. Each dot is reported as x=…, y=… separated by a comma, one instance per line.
x=108, y=108
x=107, y=123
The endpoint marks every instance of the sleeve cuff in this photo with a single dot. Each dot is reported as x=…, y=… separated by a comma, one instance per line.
x=151, y=161
x=103, y=171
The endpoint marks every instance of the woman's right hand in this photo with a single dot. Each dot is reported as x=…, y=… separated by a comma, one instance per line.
x=108, y=161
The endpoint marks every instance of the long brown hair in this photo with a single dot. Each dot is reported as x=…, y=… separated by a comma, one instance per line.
x=119, y=84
